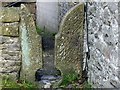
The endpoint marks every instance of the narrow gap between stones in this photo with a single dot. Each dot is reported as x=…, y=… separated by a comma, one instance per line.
x=49, y=74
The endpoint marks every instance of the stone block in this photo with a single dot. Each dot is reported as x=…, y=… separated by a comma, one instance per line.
x=9, y=14
x=9, y=63
x=11, y=47
x=11, y=53
x=9, y=40
x=9, y=29
x=10, y=69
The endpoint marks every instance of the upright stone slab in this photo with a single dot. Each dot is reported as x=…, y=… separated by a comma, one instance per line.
x=31, y=46
x=69, y=42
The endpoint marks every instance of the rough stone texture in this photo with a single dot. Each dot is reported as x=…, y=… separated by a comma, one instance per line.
x=32, y=9
x=9, y=29
x=69, y=42
x=31, y=46
x=119, y=39
x=10, y=54
x=10, y=60
x=9, y=14
x=103, y=42
x=63, y=7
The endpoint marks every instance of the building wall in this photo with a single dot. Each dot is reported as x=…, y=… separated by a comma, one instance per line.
x=47, y=16
x=50, y=14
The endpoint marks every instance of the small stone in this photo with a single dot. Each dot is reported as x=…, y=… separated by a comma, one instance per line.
x=47, y=85
x=9, y=29
x=48, y=77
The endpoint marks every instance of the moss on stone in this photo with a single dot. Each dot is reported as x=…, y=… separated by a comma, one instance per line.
x=9, y=29
x=9, y=14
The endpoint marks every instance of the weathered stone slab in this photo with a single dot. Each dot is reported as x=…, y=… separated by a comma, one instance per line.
x=9, y=14
x=9, y=29
x=69, y=42
x=31, y=46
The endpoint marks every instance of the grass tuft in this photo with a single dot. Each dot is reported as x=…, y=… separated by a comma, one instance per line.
x=19, y=84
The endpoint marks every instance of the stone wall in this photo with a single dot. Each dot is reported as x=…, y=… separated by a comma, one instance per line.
x=10, y=58
x=20, y=45
x=103, y=42
x=30, y=5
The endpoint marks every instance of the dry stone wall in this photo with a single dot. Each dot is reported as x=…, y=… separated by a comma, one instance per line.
x=103, y=42
x=20, y=45
x=10, y=58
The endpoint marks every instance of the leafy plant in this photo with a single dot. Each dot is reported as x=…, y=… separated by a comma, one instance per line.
x=69, y=78
x=20, y=84
x=8, y=84
x=45, y=33
x=39, y=30
x=87, y=86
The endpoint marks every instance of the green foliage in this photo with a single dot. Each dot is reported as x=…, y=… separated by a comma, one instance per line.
x=45, y=33
x=7, y=83
x=39, y=30
x=72, y=80
x=69, y=79
x=20, y=84
x=87, y=86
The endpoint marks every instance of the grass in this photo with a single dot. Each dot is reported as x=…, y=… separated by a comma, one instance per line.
x=39, y=30
x=87, y=86
x=72, y=80
x=45, y=33
x=69, y=79
x=19, y=84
